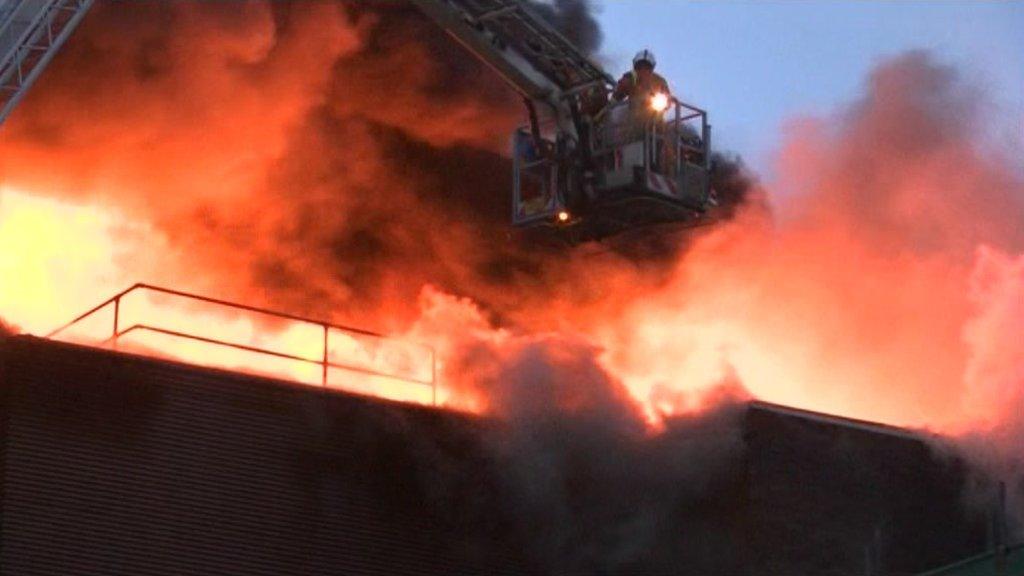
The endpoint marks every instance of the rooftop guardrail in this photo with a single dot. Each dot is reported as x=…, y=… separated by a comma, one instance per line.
x=120, y=330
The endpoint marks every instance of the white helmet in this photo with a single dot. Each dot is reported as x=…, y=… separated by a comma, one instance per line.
x=645, y=55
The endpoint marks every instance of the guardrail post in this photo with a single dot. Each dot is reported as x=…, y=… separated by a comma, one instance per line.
x=324, y=375
x=677, y=145
x=117, y=316
x=706, y=129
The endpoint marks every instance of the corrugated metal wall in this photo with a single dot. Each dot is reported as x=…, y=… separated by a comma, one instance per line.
x=825, y=494
x=113, y=464
x=129, y=466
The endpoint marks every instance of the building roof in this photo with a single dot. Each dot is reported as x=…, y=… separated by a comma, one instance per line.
x=842, y=421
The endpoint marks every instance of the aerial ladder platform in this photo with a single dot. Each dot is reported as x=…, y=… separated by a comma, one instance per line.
x=31, y=33
x=584, y=165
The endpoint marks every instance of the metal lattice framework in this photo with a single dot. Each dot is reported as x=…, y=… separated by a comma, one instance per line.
x=524, y=49
x=538, y=41
x=31, y=33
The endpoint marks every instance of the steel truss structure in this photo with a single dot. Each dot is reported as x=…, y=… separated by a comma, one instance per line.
x=31, y=33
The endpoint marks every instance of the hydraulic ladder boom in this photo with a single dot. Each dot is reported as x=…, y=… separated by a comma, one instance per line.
x=31, y=33
x=533, y=57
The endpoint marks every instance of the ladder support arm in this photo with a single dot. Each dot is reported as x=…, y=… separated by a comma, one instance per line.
x=508, y=63
x=524, y=49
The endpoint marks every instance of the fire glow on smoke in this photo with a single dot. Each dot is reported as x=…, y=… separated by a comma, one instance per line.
x=252, y=156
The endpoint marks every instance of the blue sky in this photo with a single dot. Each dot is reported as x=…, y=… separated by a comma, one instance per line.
x=755, y=64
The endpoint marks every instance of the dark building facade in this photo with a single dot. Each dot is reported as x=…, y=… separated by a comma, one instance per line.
x=118, y=464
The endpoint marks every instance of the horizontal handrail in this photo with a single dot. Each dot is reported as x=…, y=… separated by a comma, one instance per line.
x=227, y=303
x=324, y=361
x=347, y=367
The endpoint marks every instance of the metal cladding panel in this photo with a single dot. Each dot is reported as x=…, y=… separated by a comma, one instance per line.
x=822, y=489
x=114, y=464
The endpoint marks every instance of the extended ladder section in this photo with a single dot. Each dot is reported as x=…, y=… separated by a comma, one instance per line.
x=525, y=50
x=31, y=33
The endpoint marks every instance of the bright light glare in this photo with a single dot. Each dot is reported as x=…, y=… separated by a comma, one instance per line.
x=563, y=216
x=659, y=102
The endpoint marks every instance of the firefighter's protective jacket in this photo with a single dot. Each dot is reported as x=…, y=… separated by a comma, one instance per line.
x=640, y=88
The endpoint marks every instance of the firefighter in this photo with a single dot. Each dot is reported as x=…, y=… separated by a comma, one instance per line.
x=649, y=96
x=641, y=83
